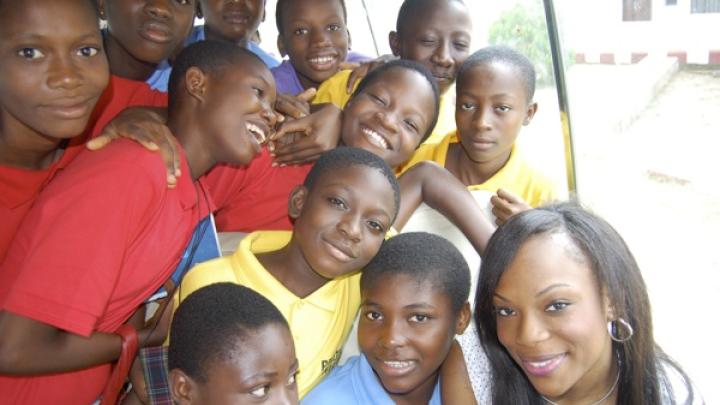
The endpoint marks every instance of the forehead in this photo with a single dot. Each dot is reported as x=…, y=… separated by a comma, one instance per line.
x=410, y=88
x=311, y=9
x=545, y=260
x=402, y=289
x=247, y=68
x=367, y=183
x=52, y=16
x=440, y=15
x=492, y=78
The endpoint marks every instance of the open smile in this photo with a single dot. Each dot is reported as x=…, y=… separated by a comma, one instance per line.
x=323, y=62
x=542, y=366
x=375, y=138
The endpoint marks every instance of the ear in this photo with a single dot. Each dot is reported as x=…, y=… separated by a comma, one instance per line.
x=463, y=319
x=394, y=41
x=297, y=201
x=281, y=46
x=181, y=387
x=196, y=83
x=530, y=113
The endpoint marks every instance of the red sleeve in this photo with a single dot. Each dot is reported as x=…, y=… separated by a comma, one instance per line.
x=67, y=255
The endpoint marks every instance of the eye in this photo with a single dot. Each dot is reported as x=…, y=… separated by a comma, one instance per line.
x=467, y=106
x=258, y=91
x=182, y=2
x=411, y=125
x=333, y=27
x=291, y=380
x=461, y=45
x=301, y=31
x=30, y=53
x=337, y=202
x=427, y=41
x=260, y=392
x=373, y=315
x=376, y=99
x=88, y=51
x=503, y=108
x=376, y=226
x=419, y=318
x=504, y=312
x=557, y=306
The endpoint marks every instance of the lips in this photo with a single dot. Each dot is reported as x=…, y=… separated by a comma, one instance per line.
x=323, y=62
x=375, y=138
x=396, y=368
x=258, y=131
x=543, y=365
x=236, y=18
x=157, y=32
x=340, y=252
x=70, y=108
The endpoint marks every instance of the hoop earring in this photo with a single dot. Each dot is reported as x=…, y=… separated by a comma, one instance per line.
x=612, y=327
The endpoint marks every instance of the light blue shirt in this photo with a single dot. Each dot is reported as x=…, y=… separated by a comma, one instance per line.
x=355, y=382
x=161, y=76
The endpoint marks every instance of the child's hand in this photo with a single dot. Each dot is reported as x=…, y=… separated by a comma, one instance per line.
x=309, y=137
x=506, y=204
x=360, y=70
x=295, y=107
x=146, y=127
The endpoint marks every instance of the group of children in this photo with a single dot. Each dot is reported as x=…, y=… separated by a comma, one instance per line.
x=89, y=236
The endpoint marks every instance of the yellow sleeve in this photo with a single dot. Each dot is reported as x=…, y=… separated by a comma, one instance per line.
x=333, y=91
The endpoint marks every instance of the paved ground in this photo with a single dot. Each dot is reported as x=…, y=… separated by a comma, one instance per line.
x=656, y=180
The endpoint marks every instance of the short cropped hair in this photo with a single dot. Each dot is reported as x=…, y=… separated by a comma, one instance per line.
x=410, y=9
x=503, y=55
x=208, y=56
x=378, y=72
x=343, y=157
x=209, y=323
x=425, y=258
x=280, y=13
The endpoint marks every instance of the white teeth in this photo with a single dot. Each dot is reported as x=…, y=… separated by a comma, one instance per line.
x=540, y=364
x=321, y=60
x=398, y=364
x=375, y=138
x=258, y=133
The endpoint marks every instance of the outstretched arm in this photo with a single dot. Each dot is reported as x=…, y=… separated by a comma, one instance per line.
x=432, y=184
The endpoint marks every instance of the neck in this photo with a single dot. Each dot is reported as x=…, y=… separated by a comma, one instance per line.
x=211, y=35
x=305, y=81
x=289, y=266
x=471, y=172
x=190, y=136
x=420, y=395
x=123, y=64
x=24, y=148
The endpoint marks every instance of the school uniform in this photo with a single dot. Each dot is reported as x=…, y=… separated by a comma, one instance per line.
x=286, y=78
x=334, y=90
x=160, y=78
x=103, y=236
x=254, y=197
x=319, y=323
x=355, y=382
x=20, y=187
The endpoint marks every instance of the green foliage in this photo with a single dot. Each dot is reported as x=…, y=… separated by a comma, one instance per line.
x=523, y=28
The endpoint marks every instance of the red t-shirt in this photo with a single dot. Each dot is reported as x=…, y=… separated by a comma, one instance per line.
x=100, y=239
x=255, y=197
x=19, y=187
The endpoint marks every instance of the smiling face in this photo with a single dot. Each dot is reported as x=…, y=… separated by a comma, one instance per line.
x=52, y=67
x=491, y=108
x=233, y=21
x=551, y=317
x=390, y=116
x=147, y=31
x=343, y=219
x=438, y=37
x=315, y=38
x=405, y=331
x=262, y=370
x=238, y=112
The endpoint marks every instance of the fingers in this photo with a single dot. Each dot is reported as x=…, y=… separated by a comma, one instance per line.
x=307, y=95
x=100, y=141
x=355, y=76
x=295, y=107
x=509, y=196
x=302, y=125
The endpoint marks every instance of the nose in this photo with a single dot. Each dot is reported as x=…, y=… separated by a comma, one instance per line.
x=159, y=9
x=269, y=115
x=391, y=335
x=349, y=226
x=482, y=118
x=387, y=120
x=288, y=397
x=442, y=56
x=63, y=74
x=319, y=38
x=531, y=330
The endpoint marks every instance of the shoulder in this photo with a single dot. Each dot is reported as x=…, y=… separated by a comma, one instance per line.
x=210, y=272
x=337, y=387
x=333, y=90
x=269, y=60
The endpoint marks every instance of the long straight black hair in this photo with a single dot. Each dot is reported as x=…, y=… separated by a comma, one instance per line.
x=643, y=365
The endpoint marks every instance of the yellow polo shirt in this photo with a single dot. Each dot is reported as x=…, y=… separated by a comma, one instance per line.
x=517, y=175
x=319, y=323
x=333, y=91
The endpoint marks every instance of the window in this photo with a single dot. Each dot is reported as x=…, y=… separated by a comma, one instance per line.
x=637, y=10
x=705, y=6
